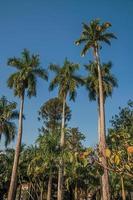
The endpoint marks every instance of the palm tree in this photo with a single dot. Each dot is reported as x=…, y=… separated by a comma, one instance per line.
x=67, y=82
x=92, y=36
x=8, y=113
x=22, y=81
x=92, y=85
x=48, y=143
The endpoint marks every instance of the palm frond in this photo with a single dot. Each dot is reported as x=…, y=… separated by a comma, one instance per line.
x=11, y=82
x=53, y=84
x=31, y=89
x=15, y=62
x=9, y=132
x=26, y=56
x=41, y=73
x=14, y=115
x=73, y=95
x=109, y=35
x=55, y=68
x=81, y=40
x=104, y=39
x=78, y=79
x=35, y=61
x=86, y=48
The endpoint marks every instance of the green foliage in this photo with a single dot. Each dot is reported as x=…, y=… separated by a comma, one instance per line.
x=82, y=165
x=51, y=114
x=6, y=161
x=94, y=34
x=66, y=79
x=28, y=69
x=124, y=119
x=92, y=84
x=120, y=143
x=8, y=114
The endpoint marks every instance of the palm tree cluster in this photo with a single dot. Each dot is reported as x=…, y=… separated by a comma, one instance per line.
x=59, y=166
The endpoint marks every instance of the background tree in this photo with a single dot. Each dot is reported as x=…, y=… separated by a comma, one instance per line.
x=92, y=36
x=6, y=161
x=124, y=119
x=74, y=139
x=51, y=114
x=120, y=150
x=21, y=81
x=8, y=114
x=120, y=159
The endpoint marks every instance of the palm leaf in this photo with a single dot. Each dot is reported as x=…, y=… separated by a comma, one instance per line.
x=31, y=86
x=55, y=68
x=86, y=48
x=15, y=62
x=41, y=73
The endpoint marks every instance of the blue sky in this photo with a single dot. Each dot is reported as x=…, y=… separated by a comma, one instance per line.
x=49, y=28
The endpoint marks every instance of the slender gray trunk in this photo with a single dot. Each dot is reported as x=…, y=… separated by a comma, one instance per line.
x=102, y=144
x=98, y=120
x=61, y=165
x=49, y=187
x=17, y=152
x=63, y=124
x=76, y=192
x=123, y=189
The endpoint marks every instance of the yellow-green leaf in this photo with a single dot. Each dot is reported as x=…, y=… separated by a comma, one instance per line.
x=108, y=153
x=117, y=160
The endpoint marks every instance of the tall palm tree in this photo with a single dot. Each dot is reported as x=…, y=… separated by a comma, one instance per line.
x=92, y=36
x=67, y=82
x=92, y=85
x=22, y=81
x=8, y=113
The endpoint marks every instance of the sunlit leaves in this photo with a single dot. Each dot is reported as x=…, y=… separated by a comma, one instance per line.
x=108, y=153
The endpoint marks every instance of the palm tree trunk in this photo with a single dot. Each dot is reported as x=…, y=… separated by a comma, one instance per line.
x=63, y=124
x=17, y=152
x=105, y=181
x=61, y=165
x=122, y=189
x=76, y=192
x=98, y=120
x=49, y=187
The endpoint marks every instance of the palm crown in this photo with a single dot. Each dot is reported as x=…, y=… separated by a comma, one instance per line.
x=8, y=113
x=93, y=34
x=25, y=78
x=65, y=79
x=108, y=80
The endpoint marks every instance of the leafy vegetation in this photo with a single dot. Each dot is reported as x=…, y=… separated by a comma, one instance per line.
x=59, y=165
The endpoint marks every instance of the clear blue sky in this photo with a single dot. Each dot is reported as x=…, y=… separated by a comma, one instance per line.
x=49, y=28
